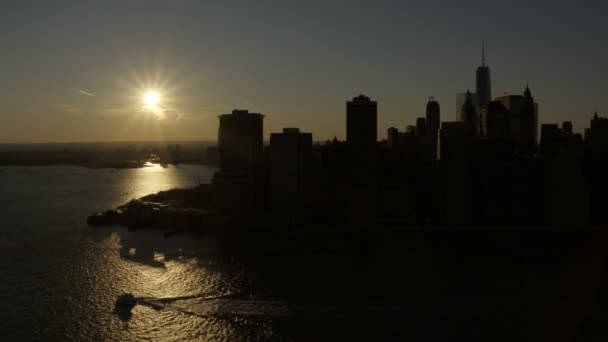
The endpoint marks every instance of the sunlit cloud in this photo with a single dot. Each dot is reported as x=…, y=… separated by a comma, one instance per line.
x=80, y=91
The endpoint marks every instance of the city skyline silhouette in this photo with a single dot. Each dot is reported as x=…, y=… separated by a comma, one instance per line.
x=194, y=170
x=206, y=59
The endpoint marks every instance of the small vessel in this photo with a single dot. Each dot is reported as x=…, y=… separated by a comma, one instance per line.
x=126, y=301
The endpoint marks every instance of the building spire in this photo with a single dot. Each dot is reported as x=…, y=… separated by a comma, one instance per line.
x=483, y=53
x=527, y=92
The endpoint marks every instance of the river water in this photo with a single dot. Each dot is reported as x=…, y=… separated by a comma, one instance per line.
x=60, y=278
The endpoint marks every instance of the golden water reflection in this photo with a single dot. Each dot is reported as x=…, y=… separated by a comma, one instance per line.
x=153, y=178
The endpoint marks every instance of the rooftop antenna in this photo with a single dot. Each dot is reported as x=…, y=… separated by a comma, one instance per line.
x=483, y=53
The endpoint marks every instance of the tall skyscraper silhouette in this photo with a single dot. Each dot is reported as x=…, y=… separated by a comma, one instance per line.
x=596, y=150
x=433, y=120
x=420, y=127
x=240, y=140
x=528, y=123
x=460, y=99
x=361, y=138
x=497, y=122
x=290, y=171
x=483, y=83
x=239, y=183
x=361, y=159
x=513, y=103
x=470, y=115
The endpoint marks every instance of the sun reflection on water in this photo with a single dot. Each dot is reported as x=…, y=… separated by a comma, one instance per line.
x=153, y=178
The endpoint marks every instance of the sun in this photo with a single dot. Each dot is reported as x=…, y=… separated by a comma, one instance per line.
x=151, y=98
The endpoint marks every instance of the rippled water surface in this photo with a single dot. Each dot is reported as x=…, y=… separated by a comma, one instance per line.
x=60, y=278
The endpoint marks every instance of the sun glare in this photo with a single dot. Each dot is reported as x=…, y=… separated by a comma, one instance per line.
x=151, y=98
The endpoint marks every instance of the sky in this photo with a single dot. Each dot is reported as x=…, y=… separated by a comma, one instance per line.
x=78, y=71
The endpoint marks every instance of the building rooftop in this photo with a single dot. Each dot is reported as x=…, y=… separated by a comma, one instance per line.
x=241, y=112
x=361, y=99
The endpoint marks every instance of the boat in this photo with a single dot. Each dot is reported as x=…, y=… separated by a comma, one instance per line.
x=126, y=301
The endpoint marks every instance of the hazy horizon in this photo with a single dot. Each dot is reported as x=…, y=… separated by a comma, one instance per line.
x=79, y=71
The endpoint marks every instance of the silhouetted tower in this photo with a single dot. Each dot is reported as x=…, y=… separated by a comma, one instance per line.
x=497, y=122
x=596, y=150
x=528, y=122
x=483, y=84
x=549, y=139
x=240, y=140
x=420, y=127
x=361, y=139
x=469, y=113
x=392, y=136
x=239, y=182
x=433, y=120
x=597, y=133
x=361, y=195
x=290, y=171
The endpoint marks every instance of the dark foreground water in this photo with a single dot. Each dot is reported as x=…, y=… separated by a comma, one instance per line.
x=60, y=278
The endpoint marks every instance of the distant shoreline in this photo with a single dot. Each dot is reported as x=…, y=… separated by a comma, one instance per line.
x=99, y=166
x=102, y=156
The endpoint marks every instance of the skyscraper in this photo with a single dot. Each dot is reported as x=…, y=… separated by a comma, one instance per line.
x=497, y=123
x=483, y=84
x=513, y=103
x=290, y=170
x=420, y=127
x=460, y=99
x=361, y=138
x=470, y=115
x=527, y=123
x=550, y=137
x=596, y=150
x=392, y=136
x=240, y=140
x=433, y=119
x=239, y=182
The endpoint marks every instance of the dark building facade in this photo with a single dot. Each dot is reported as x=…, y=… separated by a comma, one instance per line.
x=470, y=115
x=290, y=175
x=596, y=167
x=433, y=122
x=455, y=138
x=497, y=121
x=421, y=127
x=550, y=139
x=239, y=183
x=527, y=123
x=241, y=142
x=361, y=156
x=513, y=103
x=392, y=136
x=361, y=139
x=483, y=82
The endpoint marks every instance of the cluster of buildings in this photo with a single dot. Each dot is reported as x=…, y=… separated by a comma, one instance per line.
x=486, y=168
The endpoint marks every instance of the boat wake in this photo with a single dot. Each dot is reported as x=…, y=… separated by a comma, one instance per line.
x=224, y=305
